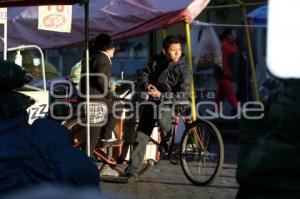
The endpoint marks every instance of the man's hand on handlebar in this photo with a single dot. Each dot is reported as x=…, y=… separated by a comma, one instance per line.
x=152, y=91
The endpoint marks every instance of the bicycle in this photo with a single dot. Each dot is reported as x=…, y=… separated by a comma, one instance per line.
x=194, y=149
x=200, y=152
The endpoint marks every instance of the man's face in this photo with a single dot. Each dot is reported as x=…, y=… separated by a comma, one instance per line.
x=173, y=53
x=111, y=52
x=232, y=36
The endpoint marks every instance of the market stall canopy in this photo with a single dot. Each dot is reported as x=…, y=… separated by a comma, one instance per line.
x=120, y=18
x=15, y=3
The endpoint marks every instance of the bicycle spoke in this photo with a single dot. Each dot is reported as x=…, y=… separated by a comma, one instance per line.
x=201, y=154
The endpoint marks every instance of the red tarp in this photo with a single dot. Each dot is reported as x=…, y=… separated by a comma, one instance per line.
x=119, y=18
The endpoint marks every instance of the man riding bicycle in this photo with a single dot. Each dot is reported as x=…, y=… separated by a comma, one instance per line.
x=167, y=81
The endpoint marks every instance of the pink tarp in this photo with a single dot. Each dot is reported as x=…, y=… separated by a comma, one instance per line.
x=120, y=18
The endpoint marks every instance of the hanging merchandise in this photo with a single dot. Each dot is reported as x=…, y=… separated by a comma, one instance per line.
x=209, y=52
x=18, y=58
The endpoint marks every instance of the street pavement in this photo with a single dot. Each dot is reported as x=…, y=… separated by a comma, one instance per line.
x=165, y=180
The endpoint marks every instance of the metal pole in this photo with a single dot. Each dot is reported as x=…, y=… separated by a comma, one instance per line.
x=190, y=64
x=164, y=33
x=42, y=59
x=251, y=57
x=5, y=40
x=235, y=5
x=250, y=50
x=86, y=31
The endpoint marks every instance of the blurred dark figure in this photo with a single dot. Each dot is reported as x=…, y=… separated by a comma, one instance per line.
x=37, y=153
x=268, y=160
x=244, y=87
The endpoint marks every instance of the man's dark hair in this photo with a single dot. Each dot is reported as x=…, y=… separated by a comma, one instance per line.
x=170, y=40
x=103, y=42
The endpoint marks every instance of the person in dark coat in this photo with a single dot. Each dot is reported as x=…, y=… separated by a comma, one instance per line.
x=37, y=153
x=167, y=80
x=101, y=96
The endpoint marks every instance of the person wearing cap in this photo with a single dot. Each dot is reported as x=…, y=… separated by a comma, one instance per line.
x=101, y=94
x=37, y=153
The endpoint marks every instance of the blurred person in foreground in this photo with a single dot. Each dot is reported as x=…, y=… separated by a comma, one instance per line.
x=269, y=146
x=37, y=153
x=49, y=191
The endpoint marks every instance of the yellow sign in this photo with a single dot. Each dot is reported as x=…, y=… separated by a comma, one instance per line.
x=55, y=18
x=3, y=15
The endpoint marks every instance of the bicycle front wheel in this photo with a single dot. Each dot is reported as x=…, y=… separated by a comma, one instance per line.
x=202, y=152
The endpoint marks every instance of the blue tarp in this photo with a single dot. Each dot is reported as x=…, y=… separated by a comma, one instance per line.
x=259, y=15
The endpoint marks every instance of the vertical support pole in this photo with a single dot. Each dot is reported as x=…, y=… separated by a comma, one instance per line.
x=251, y=57
x=86, y=31
x=250, y=49
x=5, y=40
x=164, y=33
x=190, y=64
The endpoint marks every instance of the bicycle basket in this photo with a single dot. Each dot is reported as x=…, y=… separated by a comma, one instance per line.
x=98, y=112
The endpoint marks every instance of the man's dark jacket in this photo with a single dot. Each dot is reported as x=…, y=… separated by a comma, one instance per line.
x=38, y=153
x=173, y=78
x=100, y=66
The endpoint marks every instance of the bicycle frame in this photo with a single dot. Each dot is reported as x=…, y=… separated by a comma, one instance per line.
x=177, y=151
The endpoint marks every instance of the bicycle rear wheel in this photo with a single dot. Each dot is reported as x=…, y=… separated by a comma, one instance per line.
x=202, y=152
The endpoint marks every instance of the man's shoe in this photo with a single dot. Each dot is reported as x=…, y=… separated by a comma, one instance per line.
x=132, y=177
x=106, y=170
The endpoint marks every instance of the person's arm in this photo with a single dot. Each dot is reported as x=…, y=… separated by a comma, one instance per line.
x=145, y=75
x=143, y=78
x=103, y=66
